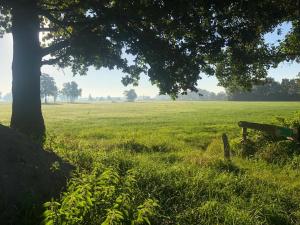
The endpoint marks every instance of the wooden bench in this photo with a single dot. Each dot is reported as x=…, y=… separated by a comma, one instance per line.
x=273, y=130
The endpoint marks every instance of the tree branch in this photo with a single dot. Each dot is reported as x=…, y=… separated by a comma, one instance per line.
x=53, y=61
x=55, y=47
x=47, y=29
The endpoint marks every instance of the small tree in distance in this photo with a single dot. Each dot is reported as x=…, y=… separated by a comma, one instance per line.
x=90, y=98
x=130, y=95
x=71, y=91
x=48, y=87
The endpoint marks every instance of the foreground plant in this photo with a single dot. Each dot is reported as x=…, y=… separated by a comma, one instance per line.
x=101, y=198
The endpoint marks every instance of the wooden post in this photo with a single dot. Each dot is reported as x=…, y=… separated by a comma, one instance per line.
x=244, y=133
x=244, y=141
x=226, y=147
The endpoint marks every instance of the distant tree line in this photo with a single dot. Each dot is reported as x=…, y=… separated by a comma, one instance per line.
x=69, y=92
x=201, y=95
x=271, y=90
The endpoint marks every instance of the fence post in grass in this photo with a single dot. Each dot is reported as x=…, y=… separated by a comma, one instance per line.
x=244, y=133
x=244, y=142
x=226, y=147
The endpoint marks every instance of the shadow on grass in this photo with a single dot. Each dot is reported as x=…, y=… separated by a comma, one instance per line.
x=227, y=167
x=29, y=176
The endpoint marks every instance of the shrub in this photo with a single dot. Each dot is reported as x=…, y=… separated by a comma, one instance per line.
x=243, y=149
x=279, y=152
x=101, y=198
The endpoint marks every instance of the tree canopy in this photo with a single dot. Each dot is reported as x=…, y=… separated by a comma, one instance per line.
x=48, y=87
x=71, y=91
x=172, y=41
x=130, y=95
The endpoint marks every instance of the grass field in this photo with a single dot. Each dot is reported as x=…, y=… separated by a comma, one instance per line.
x=188, y=124
x=162, y=163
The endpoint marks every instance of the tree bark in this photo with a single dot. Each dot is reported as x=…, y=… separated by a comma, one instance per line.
x=26, y=108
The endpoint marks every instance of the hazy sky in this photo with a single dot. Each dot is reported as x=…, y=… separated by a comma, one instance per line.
x=105, y=82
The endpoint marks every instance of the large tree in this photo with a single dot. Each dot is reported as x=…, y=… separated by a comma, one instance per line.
x=172, y=42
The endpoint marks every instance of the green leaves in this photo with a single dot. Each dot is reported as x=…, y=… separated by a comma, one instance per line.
x=5, y=20
x=145, y=211
x=171, y=42
x=290, y=47
x=101, y=198
x=48, y=86
x=71, y=91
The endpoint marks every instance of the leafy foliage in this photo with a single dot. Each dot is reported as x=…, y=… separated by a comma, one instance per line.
x=130, y=95
x=101, y=198
x=71, y=91
x=271, y=149
x=172, y=42
x=48, y=87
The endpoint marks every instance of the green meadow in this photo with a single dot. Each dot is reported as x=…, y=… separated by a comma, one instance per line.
x=162, y=163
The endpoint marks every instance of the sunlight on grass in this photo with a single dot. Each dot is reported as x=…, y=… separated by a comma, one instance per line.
x=163, y=162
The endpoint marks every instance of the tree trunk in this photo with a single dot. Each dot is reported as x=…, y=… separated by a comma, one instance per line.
x=26, y=108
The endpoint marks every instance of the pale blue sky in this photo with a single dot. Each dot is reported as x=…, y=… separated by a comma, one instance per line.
x=106, y=82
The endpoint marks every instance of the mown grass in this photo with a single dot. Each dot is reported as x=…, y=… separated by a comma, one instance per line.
x=162, y=163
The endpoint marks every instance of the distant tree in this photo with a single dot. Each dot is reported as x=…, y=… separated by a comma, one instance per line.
x=90, y=98
x=163, y=98
x=7, y=97
x=48, y=87
x=0, y=95
x=130, y=95
x=71, y=91
x=221, y=96
x=146, y=98
x=100, y=98
x=55, y=95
